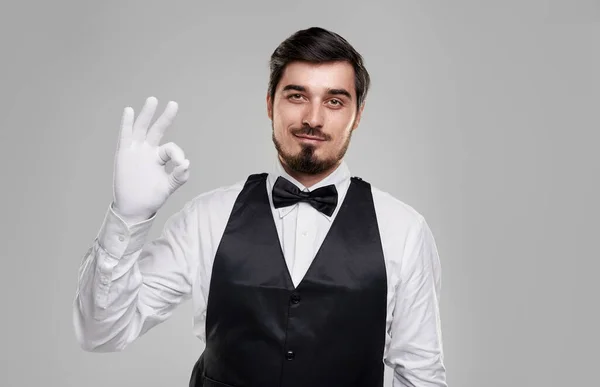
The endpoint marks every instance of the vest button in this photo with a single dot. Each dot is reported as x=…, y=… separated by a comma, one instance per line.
x=295, y=298
x=290, y=355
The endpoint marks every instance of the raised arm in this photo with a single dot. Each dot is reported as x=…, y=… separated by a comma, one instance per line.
x=127, y=284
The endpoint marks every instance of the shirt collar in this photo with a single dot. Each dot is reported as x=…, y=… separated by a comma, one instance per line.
x=338, y=177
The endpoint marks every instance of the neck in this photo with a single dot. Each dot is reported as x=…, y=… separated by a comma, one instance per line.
x=306, y=179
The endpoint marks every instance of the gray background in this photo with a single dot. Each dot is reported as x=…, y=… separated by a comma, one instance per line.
x=483, y=116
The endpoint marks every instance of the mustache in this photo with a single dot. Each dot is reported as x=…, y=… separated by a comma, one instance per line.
x=307, y=130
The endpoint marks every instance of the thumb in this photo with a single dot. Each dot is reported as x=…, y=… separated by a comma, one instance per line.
x=180, y=174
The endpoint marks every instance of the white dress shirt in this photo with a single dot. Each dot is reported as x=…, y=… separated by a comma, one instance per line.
x=128, y=284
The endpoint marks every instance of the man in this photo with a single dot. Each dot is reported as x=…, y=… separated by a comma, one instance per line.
x=305, y=276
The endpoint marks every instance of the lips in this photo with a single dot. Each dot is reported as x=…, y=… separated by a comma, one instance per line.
x=310, y=137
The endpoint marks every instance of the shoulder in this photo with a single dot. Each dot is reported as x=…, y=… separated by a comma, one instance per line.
x=217, y=198
x=218, y=201
x=393, y=213
x=403, y=231
x=402, y=228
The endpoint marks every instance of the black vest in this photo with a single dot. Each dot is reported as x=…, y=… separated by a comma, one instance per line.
x=261, y=331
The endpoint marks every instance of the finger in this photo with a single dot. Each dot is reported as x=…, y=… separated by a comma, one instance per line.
x=156, y=132
x=140, y=126
x=126, y=125
x=180, y=174
x=171, y=151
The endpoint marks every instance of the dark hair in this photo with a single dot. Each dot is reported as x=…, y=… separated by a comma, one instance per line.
x=318, y=45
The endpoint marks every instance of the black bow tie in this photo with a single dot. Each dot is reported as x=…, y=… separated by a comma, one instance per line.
x=285, y=193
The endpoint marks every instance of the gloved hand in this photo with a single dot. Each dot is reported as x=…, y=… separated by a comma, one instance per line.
x=141, y=184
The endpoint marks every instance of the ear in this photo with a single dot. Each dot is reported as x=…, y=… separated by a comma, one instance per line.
x=269, y=106
x=358, y=116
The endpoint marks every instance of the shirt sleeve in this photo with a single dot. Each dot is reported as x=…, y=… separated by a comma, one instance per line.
x=415, y=351
x=127, y=285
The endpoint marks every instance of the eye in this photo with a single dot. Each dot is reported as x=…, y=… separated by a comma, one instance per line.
x=336, y=102
x=295, y=96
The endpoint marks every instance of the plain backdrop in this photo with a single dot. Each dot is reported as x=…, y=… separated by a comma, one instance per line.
x=483, y=116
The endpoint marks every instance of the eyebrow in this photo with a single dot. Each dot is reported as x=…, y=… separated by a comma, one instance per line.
x=329, y=91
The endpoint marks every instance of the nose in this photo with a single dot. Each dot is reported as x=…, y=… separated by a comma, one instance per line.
x=313, y=116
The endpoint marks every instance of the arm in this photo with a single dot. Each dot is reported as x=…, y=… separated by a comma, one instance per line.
x=127, y=286
x=415, y=350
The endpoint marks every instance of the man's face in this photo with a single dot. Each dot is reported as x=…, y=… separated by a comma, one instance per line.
x=313, y=115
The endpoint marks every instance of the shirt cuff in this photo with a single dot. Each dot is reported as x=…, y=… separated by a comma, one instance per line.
x=119, y=239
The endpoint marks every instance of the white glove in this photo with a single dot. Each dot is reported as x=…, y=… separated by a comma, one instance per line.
x=141, y=184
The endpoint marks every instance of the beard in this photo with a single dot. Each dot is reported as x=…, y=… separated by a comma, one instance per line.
x=306, y=161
